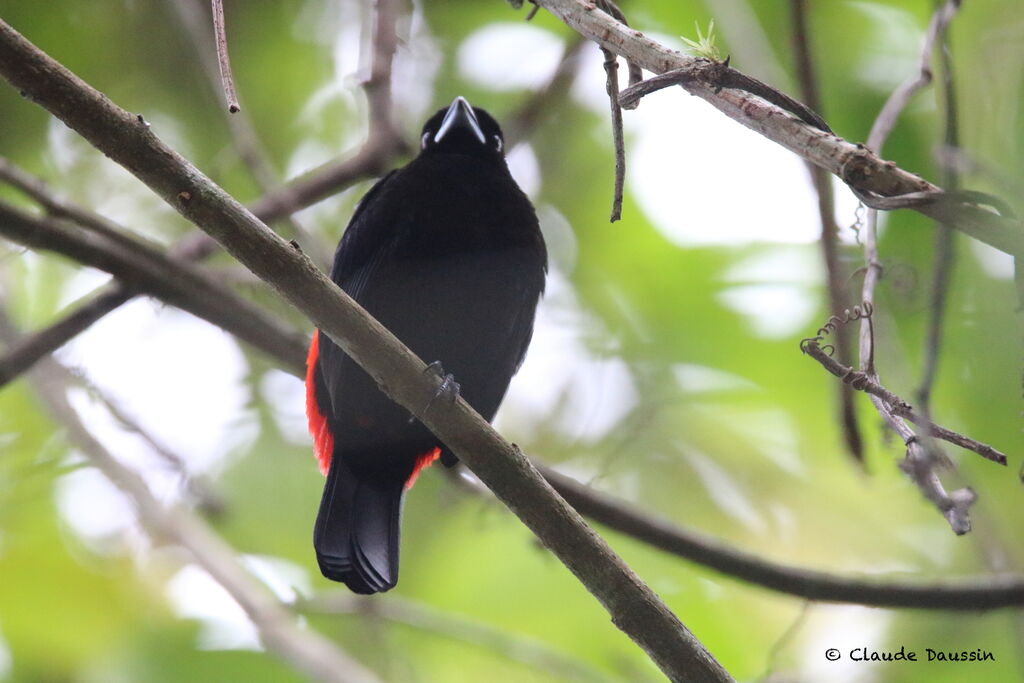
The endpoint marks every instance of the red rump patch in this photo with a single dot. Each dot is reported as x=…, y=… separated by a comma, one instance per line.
x=422, y=461
x=323, y=440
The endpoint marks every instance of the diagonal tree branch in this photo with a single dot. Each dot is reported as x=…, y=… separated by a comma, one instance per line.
x=140, y=267
x=26, y=351
x=306, y=650
x=421, y=616
x=856, y=165
x=988, y=592
x=634, y=608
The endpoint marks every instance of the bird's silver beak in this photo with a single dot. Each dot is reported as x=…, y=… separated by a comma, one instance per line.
x=460, y=115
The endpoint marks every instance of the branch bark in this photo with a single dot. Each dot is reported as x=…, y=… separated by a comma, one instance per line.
x=634, y=608
x=142, y=268
x=853, y=163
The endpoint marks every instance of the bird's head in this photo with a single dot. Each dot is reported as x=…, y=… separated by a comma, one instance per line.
x=462, y=129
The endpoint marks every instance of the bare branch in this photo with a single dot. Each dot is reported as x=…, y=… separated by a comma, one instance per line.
x=143, y=268
x=920, y=462
x=633, y=606
x=854, y=164
x=26, y=351
x=421, y=616
x=246, y=141
x=900, y=98
x=896, y=405
x=987, y=592
x=611, y=67
x=222, y=57
x=836, y=275
x=306, y=650
x=533, y=108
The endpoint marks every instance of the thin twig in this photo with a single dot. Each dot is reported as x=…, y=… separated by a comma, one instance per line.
x=306, y=650
x=226, y=78
x=900, y=98
x=528, y=651
x=611, y=68
x=199, y=487
x=896, y=405
x=854, y=164
x=920, y=462
x=140, y=267
x=535, y=106
x=26, y=351
x=835, y=272
x=246, y=141
x=984, y=592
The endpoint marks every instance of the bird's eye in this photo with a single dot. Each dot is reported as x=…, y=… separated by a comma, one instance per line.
x=498, y=144
x=423, y=140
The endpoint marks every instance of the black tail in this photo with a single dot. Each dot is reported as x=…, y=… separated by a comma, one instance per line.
x=356, y=533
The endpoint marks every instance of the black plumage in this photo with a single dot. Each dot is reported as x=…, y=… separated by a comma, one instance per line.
x=447, y=253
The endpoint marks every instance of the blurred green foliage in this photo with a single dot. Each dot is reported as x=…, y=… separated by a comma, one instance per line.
x=755, y=460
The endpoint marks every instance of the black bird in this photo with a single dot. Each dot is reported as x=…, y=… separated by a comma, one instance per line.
x=446, y=252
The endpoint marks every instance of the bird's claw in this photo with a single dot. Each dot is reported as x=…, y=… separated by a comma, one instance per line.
x=449, y=388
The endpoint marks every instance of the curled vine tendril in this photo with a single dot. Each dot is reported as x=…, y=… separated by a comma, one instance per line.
x=864, y=310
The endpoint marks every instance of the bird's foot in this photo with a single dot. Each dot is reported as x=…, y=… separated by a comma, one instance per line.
x=449, y=388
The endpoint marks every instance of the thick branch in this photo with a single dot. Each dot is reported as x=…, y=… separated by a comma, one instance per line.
x=854, y=164
x=633, y=607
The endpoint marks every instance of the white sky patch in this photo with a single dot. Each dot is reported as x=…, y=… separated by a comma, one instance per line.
x=339, y=26
x=93, y=507
x=782, y=264
x=697, y=379
x=285, y=579
x=224, y=625
x=774, y=311
x=843, y=627
x=484, y=58
x=414, y=69
x=285, y=394
x=996, y=263
x=132, y=449
x=891, y=47
x=82, y=283
x=178, y=376
x=704, y=179
x=559, y=238
x=725, y=491
x=522, y=162
x=6, y=661
x=590, y=394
